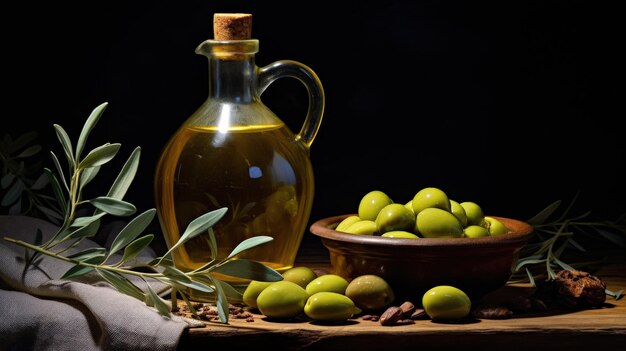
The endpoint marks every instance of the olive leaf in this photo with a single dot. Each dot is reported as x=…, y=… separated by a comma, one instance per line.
x=88, y=175
x=7, y=180
x=88, y=126
x=87, y=231
x=132, y=230
x=134, y=248
x=222, y=300
x=65, y=143
x=126, y=175
x=100, y=155
x=40, y=183
x=83, y=221
x=121, y=283
x=113, y=206
x=56, y=188
x=248, y=269
x=14, y=193
x=88, y=253
x=249, y=243
x=160, y=305
x=30, y=151
x=59, y=169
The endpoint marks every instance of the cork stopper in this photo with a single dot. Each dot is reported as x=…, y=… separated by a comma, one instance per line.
x=232, y=26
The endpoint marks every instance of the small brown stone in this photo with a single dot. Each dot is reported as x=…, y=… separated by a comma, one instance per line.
x=391, y=316
x=578, y=288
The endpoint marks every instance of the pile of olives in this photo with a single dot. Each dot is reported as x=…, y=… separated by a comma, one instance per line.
x=325, y=298
x=430, y=214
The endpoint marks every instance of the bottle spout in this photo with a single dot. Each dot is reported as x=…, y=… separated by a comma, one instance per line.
x=227, y=47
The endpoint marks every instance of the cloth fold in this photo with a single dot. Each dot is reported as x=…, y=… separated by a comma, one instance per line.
x=39, y=311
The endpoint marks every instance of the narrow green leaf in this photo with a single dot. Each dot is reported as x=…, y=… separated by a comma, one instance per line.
x=52, y=215
x=113, y=206
x=563, y=264
x=198, y=226
x=542, y=216
x=87, y=175
x=531, y=279
x=66, y=143
x=87, y=231
x=14, y=192
x=100, y=155
x=212, y=244
x=133, y=249
x=76, y=271
x=121, y=283
x=250, y=243
x=189, y=304
x=30, y=151
x=222, y=301
x=90, y=123
x=522, y=263
x=60, y=170
x=176, y=274
x=83, y=221
x=41, y=182
x=56, y=188
x=21, y=141
x=126, y=175
x=195, y=285
x=615, y=294
x=577, y=245
x=132, y=230
x=160, y=305
x=616, y=239
x=248, y=269
x=88, y=253
x=230, y=292
x=7, y=179
x=161, y=261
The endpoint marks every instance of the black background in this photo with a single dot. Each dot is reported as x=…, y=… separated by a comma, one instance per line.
x=511, y=104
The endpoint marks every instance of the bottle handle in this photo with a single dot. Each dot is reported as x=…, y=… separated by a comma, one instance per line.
x=287, y=68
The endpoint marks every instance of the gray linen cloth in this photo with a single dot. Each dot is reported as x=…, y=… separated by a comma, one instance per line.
x=38, y=311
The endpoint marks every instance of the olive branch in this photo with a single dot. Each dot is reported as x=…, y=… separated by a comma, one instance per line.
x=545, y=252
x=68, y=192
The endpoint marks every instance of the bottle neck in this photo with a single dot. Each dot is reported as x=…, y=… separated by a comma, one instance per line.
x=232, y=78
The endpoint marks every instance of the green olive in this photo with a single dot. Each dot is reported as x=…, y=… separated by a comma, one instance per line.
x=430, y=197
x=372, y=203
x=348, y=221
x=459, y=212
x=329, y=307
x=409, y=205
x=327, y=282
x=252, y=292
x=395, y=217
x=283, y=299
x=370, y=292
x=438, y=223
x=300, y=275
x=495, y=226
x=475, y=215
x=475, y=231
x=400, y=234
x=446, y=302
x=362, y=227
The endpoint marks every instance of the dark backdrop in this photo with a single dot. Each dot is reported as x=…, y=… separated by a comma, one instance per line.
x=510, y=104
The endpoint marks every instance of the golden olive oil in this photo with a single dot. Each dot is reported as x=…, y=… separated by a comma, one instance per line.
x=262, y=174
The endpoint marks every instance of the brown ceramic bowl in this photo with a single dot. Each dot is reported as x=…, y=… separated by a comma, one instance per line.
x=412, y=266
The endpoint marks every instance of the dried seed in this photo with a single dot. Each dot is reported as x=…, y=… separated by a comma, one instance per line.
x=407, y=309
x=419, y=314
x=391, y=316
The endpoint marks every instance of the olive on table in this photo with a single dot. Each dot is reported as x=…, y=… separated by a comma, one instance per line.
x=329, y=307
x=370, y=292
x=300, y=275
x=445, y=302
x=329, y=283
x=283, y=299
x=438, y=223
x=372, y=203
x=252, y=292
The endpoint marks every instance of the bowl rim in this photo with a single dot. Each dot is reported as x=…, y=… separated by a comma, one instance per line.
x=522, y=231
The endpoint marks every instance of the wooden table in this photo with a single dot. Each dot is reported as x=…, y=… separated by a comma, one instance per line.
x=563, y=330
